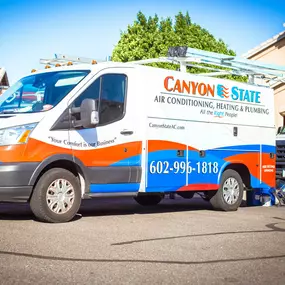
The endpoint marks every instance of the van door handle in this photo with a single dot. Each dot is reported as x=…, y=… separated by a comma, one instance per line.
x=126, y=132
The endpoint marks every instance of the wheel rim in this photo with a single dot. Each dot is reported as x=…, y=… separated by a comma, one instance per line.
x=231, y=191
x=60, y=196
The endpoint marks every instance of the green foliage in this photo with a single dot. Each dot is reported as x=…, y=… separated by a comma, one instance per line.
x=151, y=37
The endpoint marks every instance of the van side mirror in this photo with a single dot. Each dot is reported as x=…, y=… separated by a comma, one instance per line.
x=279, y=130
x=88, y=113
x=89, y=116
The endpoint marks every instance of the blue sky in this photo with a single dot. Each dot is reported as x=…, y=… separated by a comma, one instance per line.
x=30, y=30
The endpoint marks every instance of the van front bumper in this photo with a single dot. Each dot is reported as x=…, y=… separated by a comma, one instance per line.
x=15, y=181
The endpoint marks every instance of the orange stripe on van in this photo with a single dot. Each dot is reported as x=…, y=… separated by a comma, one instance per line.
x=109, y=155
x=252, y=161
x=13, y=153
x=36, y=151
x=157, y=145
x=269, y=171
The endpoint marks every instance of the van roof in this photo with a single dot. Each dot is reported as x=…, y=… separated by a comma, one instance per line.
x=110, y=64
x=87, y=66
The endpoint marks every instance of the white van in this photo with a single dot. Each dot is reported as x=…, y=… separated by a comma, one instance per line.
x=75, y=132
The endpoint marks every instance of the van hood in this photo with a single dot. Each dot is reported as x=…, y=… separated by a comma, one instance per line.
x=11, y=120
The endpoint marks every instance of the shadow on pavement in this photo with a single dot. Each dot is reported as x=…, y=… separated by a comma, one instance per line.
x=127, y=206
x=272, y=228
x=110, y=207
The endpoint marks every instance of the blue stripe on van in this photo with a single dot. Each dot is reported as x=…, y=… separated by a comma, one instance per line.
x=113, y=188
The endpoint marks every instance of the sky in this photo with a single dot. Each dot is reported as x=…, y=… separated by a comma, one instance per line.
x=30, y=30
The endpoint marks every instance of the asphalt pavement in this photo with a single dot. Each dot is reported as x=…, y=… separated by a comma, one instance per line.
x=116, y=241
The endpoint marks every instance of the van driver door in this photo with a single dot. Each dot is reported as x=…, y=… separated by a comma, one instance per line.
x=110, y=152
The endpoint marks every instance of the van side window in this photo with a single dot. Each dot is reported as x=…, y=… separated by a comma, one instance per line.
x=112, y=99
x=92, y=92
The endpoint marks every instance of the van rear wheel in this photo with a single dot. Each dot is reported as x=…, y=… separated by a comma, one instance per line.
x=56, y=197
x=230, y=193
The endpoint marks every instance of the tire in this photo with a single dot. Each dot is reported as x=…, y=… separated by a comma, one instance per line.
x=218, y=201
x=39, y=202
x=148, y=200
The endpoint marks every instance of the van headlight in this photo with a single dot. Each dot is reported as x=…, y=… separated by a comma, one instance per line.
x=16, y=134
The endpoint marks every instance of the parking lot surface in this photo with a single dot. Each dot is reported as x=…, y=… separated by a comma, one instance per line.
x=116, y=241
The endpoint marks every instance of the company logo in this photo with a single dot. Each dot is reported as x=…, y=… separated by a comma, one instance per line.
x=211, y=90
x=222, y=91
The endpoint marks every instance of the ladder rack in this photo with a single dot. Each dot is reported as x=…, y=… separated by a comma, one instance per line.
x=266, y=74
x=186, y=56
x=63, y=60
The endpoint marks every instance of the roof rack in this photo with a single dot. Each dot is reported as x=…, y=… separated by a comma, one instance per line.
x=258, y=73
x=186, y=56
x=63, y=60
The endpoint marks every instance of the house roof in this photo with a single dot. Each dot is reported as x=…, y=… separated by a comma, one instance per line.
x=3, y=77
x=265, y=44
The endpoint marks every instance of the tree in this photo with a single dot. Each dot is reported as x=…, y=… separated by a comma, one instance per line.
x=150, y=38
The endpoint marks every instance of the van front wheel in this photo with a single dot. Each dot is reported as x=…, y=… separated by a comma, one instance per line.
x=56, y=197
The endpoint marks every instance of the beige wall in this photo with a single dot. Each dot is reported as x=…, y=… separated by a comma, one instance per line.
x=275, y=54
x=279, y=105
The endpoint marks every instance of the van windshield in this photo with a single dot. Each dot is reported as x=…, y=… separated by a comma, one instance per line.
x=39, y=92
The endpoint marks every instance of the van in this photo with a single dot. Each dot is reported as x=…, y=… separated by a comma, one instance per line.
x=81, y=131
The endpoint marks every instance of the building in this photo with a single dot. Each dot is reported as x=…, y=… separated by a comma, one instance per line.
x=272, y=51
x=4, y=82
